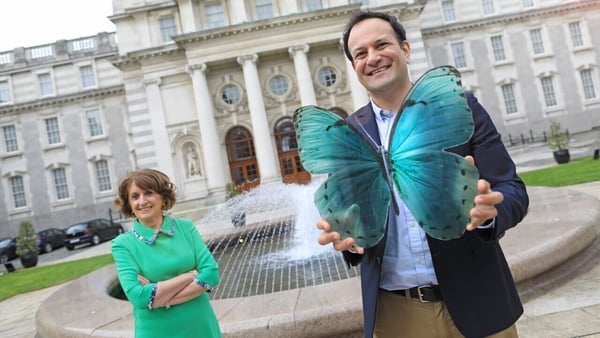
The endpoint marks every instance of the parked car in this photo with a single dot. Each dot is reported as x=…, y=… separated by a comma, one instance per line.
x=50, y=239
x=8, y=249
x=93, y=231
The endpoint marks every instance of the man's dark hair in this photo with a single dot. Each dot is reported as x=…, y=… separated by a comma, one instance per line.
x=363, y=15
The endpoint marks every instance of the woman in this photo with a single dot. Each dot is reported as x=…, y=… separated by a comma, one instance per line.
x=163, y=265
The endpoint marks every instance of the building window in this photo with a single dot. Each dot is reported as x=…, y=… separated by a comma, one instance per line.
x=548, y=89
x=52, y=130
x=285, y=134
x=510, y=102
x=103, y=176
x=364, y=2
x=94, y=122
x=498, y=48
x=536, y=41
x=587, y=81
x=327, y=76
x=10, y=139
x=231, y=94
x=83, y=44
x=448, y=11
x=60, y=183
x=18, y=191
x=214, y=16
x=5, y=58
x=45, y=82
x=488, y=7
x=264, y=9
x=313, y=5
x=528, y=3
x=458, y=54
x=576, y=35
x=279, y=85
x=168, y=28
x=5, y=96
x=88, y=78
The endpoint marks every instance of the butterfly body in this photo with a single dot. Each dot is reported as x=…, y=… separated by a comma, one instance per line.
x=437, y=186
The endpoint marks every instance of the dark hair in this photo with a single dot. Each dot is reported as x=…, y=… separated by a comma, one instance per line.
x=363, y=15
x=147, y=179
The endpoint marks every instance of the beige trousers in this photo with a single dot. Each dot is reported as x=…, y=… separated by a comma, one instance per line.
x=404, y=317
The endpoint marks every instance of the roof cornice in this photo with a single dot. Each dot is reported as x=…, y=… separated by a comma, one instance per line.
x=508, y=18
x=59, y=100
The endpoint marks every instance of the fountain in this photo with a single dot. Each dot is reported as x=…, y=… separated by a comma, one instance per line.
x=292, y=287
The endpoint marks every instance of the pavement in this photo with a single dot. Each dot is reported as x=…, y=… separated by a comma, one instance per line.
x=568, y=306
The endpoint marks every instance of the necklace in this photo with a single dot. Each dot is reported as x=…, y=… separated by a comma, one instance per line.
x=152, y=240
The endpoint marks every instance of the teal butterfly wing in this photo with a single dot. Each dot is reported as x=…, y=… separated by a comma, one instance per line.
x=355, y=197
x=438, y=187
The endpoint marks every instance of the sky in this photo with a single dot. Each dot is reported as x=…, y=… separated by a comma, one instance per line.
x=28, y=23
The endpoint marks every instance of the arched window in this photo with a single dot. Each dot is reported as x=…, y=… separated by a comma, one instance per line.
x=242, y=158
x=285, y=135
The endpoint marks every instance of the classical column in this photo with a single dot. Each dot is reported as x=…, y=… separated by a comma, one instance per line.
x=238, y=12
x=265, y=152
x=305, y=84
x=211, y=147
x=186, y=11
x=160, y=138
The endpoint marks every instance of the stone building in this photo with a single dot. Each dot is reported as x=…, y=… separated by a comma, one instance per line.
x=205, y=91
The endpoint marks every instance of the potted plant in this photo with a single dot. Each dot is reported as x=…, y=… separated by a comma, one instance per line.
x=558, y=140
x=27, y=248
x=238, y=216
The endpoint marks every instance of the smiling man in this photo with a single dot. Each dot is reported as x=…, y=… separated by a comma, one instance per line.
x=414, y=285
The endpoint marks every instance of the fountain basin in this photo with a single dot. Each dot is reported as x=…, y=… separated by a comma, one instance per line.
x=561, y=224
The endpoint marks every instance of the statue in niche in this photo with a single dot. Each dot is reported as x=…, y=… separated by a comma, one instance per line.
x=193, y=164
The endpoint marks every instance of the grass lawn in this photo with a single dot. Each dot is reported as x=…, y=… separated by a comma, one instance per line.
x=40, y=277
x=577, y=171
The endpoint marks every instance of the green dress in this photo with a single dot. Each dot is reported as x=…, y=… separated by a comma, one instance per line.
x=175, y=249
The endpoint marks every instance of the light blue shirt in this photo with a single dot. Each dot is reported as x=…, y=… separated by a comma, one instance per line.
x=407, y=260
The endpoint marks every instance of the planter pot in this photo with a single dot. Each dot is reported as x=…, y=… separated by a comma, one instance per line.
x=29, y=259
x=562, y=156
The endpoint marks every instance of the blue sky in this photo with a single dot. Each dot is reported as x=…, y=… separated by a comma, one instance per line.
x=27, y=23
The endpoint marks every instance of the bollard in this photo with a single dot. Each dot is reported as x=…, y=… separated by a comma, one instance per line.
x=596, y=154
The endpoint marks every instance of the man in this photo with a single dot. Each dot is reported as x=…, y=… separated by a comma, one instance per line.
x=414, y=285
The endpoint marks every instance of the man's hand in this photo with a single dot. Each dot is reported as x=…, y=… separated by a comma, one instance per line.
x=485, y=202
x=328, y=236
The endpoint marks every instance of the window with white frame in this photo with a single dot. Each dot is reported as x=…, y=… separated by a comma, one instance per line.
x=528, y=3
x=52, y=130
x=327, y=76
x=576, y=35
x=279, y=85
x=510, y=102
x=94, y=119
x=9, y=133
x=60, y=183
x=548, y=90
x=45, y=83
x=313, y=5
x=18, y=191
x=214, y=15
x=168, y=28
x=5, y=95
x=231, y=94
x=537, y=42
x=488, y=7
x=458, y=54
x=498, y=48
x=264, y=9
x=448, y=11
x=587, y=82
x=103, y=176
x=88, y=78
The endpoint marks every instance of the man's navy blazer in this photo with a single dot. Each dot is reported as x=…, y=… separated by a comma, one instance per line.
x=474, y=278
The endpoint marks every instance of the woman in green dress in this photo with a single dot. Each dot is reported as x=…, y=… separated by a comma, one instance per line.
x=162, y=263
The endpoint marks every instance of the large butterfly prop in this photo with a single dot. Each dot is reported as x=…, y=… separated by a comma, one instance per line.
x=437, y=186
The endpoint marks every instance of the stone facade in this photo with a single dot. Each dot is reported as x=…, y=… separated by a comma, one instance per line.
x=204, y=90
